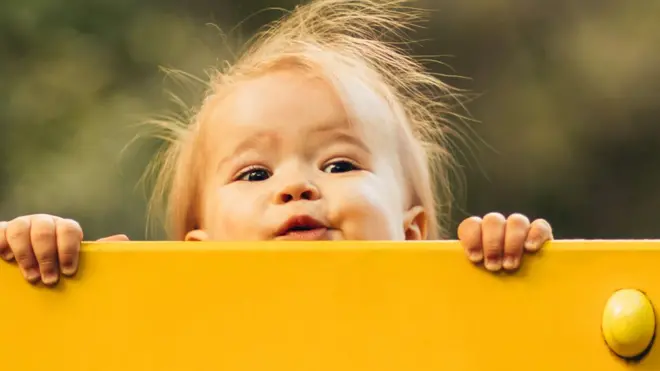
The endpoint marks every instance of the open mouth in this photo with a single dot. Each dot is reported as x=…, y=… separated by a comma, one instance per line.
x=302, y=228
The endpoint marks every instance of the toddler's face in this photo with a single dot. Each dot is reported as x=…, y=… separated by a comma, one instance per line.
x=286, y=164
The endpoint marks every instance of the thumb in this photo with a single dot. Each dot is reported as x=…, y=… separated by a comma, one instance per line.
x=115, y=238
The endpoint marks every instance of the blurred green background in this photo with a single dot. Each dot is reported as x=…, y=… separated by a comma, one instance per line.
x=567, y=95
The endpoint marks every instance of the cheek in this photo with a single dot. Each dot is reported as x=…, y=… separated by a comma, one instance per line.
x=231, y=215
x=366, y=208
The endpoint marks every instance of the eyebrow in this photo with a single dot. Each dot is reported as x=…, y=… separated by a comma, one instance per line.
x=342, y=136
x=248, y=143
x=271, y=137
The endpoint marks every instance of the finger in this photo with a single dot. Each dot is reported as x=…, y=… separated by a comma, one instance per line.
x=5, y=251
x=69, y=237
x=493, y=229
x=18, y=236
x=540, y=232
x=517, y=227
x=44, y=244
x=469, y=233
x=115, y=238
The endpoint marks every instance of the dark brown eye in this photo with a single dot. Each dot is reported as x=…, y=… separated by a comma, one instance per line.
x=255, y=175
x=340, y=167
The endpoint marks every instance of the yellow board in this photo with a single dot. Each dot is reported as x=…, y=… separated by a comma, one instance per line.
x=364, y=306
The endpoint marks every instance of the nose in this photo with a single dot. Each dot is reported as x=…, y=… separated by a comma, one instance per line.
x=297, y=191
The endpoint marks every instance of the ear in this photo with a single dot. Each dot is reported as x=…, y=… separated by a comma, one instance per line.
x=415, y=224
x=197, y=235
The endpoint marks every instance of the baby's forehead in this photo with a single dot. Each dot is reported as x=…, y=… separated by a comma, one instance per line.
x=298, y=103
x=276, y=99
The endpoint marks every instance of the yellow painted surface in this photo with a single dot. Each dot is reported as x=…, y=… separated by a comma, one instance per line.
x=323, y=307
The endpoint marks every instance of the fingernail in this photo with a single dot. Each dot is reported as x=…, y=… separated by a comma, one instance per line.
x=49, y=274
x=8, y=256
x=69, y=269
x=4, y=224
x=510, y=262
x=530, y=245
x=32, y=274
x=493, y=264
x=49, y=278
x=476, y=255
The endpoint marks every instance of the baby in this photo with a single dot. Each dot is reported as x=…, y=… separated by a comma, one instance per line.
x=324, y=129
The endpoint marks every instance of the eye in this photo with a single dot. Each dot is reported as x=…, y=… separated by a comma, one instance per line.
x=341, y=166
x=254, y=175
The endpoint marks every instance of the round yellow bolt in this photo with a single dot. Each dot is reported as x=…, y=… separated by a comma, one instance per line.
x=628, y=323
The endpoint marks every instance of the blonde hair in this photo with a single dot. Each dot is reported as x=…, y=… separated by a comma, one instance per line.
x=365, y=37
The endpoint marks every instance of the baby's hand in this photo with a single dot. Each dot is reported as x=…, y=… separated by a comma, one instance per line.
x=502, y=241
x=43, y=246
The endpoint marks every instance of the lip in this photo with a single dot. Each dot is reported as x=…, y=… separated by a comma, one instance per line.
x=302, y=227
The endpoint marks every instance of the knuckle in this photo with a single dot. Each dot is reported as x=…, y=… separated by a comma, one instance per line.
x=473, y=219
x=67, y=257
x=20, y=220
x=492, y=243
x=41, y=217
x=42, y=225
x=515, y=233
x=518, y=219
x=514, y=248
x=69, y=228
x=24, y=259
x=18, y=228
x=467, y=225
x=544, y=224
x=494, y=217
x=493, y=234
x=493, y=255
x=68, y=254
x=47, y=260
x=72, y=223
x=45, y=255
x=540, y=226
x=42, y=234
x=493, y=252
x=16, y=235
